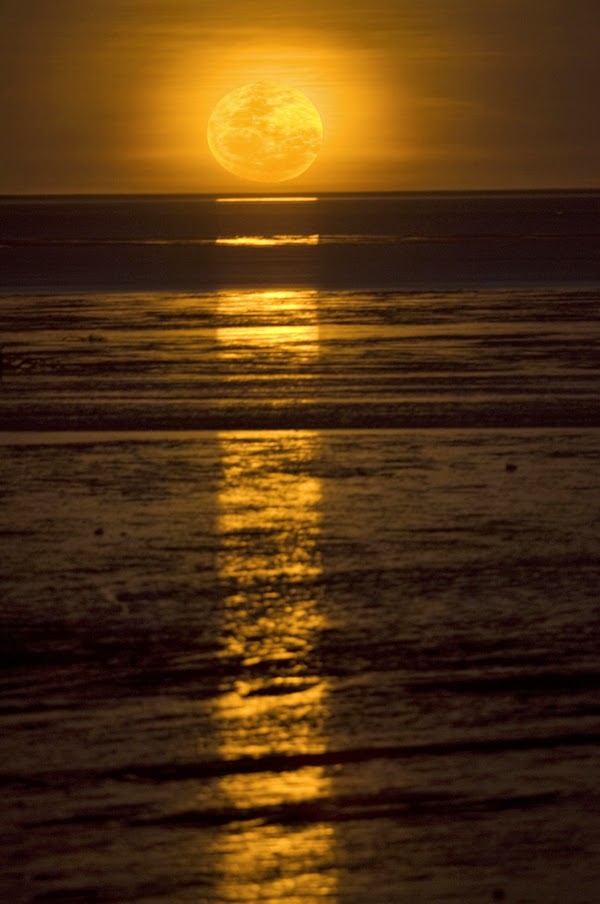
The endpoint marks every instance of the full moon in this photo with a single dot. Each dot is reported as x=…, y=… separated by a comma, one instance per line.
x=265, y=132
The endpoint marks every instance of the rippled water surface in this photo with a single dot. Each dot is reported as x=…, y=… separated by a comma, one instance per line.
x=289, y=665
x=299, y=576
x=301, y=358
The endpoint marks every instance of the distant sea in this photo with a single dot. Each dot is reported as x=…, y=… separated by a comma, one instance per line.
x=300, y=548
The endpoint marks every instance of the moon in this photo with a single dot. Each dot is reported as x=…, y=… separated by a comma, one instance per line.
x=265, y=132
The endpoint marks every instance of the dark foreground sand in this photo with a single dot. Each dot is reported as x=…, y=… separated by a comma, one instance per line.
x=301, y=666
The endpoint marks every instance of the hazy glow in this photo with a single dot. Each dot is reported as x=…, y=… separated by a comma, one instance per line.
x=115, y=96
x=180, y=97
x=265, y=132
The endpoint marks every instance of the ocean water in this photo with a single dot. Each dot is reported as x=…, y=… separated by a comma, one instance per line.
x=300, y=549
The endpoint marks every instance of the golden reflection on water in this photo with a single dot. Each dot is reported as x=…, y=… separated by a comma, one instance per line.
x=281, y=866
x=276, y=304
x=268, y=526
x=276, y=702
x=280, y=326
x=299, y=340
x=267, y=199
x=258, y=241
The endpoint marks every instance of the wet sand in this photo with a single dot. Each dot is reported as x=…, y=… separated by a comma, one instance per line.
x=299, y=556
x=300, y=665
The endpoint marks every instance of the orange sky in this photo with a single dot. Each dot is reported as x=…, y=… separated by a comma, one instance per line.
x=114, y=95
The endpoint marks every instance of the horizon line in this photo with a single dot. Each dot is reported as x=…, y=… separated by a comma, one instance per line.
x=232, y=197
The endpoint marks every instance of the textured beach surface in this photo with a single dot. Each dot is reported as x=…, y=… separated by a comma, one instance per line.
x=300, y=555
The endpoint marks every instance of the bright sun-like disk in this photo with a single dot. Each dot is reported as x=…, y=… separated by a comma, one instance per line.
x=265, y=132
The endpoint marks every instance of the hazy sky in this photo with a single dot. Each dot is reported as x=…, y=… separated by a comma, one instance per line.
x=114, y=95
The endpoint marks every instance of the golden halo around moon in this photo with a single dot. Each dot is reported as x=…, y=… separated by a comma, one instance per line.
x=265, y=132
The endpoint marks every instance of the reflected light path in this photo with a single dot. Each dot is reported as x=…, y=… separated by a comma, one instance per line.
x=284, y=331
x=275, y=700
x=258, y=241
x=267, y=199
x=277, y=304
